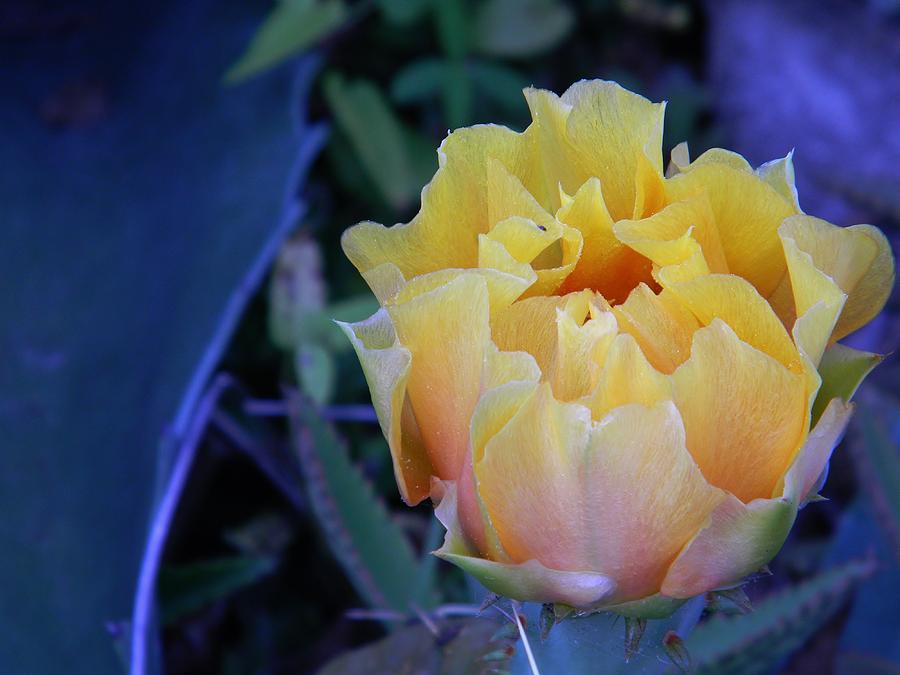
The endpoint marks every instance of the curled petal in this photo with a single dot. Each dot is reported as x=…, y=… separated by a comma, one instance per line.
x=386, y=366
x=580, y=352
x=815, y=453
x=530, y=325
x=857, y=258
x=675, y=233
x=662, y=326
x=606, y=265
x=779, y=173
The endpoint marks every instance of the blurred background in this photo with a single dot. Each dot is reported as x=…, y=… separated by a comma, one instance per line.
x=190, y=477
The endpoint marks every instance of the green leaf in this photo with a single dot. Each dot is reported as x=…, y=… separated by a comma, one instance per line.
x=403, y=12
x=291, y=27
x=376, y=136
x=758, y=641
x=315, y=372
x=373, y=551
x=419, y=81
x=457, y=95
x=878, y=463
x=187, y=588
x=842, y=370
x=117, y=276
x=318, y=328
x=521, y=28
x=296, y=290
x=461, y=646
x=499, y=83
x=452, y=28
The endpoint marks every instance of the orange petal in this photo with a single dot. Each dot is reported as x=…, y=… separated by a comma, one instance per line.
x=606, y=265
x=660, y=324
x=494, y=410
x=644, y=497
x=529, y=581
x=745, y=414
x=529, y=478
x=449, y=324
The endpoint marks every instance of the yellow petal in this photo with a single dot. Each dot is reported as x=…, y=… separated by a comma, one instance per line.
x=553, y=150
x=386, y=366
x=818, y=300
x=530, y=325
x=507, y=196
x=857, y=258
x=494, y=410
x=550, y=251
x=493, y=254
x=660, y=324
x=673, y=234
x=385, y=280
x=503, y=287
x=609, y=127
x=745, y=414
x=729, y=158
x=531, y=466
x=649, y=188
x=644, y=497
x=454, y=207
x=736, y=302
x=580, y=351
x=502, y=367
x=738, y=541
x=449, y=324
x=779, y=173
x=748, y=213
x=627, y=377
x=606, y=265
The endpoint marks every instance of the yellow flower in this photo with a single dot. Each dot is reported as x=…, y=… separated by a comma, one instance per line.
x=608, y=376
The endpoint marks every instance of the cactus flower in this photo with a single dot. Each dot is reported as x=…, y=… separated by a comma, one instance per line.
x=618, y=384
